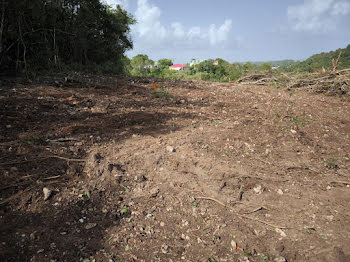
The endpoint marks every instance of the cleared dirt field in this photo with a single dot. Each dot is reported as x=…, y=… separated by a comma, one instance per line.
x=196, y=171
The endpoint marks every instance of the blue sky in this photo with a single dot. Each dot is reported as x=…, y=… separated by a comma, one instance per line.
x=237, y=30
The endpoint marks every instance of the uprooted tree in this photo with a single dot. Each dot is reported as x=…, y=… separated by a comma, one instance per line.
x=40, y=34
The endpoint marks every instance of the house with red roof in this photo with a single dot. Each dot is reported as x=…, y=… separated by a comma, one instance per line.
x=178, y=67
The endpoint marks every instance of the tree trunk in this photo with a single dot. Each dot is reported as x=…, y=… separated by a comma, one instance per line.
x=2, y=23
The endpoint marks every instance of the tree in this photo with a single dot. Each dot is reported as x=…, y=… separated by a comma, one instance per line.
x=164, y=63
x=266, y=67
x=41, y=34
x=141, y=65
x=206, y=66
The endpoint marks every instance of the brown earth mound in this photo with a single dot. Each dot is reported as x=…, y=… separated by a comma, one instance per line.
x=97, y=169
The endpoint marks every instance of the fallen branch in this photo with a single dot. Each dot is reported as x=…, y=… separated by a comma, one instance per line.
x=342, y=182
x=67, y=159
x=255, y=210
x=43, y=158
x=15, y=196
x=63, y=139
x=263, y=222
x=51, y=177
x=240, y=215
x=212, y=199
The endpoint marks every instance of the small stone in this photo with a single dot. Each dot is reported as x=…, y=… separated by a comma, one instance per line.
x=330, y=218
x=293, y=131
x=32, y=236
x=164, y=248
x=258, y=190
x=81, y=220
x=233, y=244
x=154, y=192
x=280, y=259
x=170, y=149
x=90, y=225
x=328, y=187
x=47, y=193
x=279, y=231
x=14, y=169
x=40, y=251
x=280, y=192
x=162, y=224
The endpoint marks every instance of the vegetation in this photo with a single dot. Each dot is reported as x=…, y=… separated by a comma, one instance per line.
x=209, y=70
x=223, y=71
x=81, y=34
x=324, y=61
x=141, y=65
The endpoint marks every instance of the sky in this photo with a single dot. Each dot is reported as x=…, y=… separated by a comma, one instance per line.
x=237, y=30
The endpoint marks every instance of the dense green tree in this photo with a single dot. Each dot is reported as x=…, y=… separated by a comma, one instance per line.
x=164, y=63
x=206, y=66
x=39, y=34
x=248, y=67
x=265, y=67
x=141, y=65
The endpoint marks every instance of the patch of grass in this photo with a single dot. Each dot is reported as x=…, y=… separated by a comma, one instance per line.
x=331, y=163
x=298, y=120
x=161, y=93
x=278, y=114
x=194, y=203
x=124, y=210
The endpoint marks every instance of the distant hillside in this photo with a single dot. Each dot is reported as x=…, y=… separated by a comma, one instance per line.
x=283, y=64
x=316, y=62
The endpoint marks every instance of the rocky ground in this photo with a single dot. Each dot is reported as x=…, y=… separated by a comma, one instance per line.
x=106, y=169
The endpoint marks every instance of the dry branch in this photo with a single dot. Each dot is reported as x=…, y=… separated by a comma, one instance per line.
x=240, y=215
x=42, y=158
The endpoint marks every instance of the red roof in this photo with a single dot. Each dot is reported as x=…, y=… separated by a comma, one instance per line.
x=179, y=65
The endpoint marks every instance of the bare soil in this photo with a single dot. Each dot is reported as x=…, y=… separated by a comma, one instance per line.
x=194, y=172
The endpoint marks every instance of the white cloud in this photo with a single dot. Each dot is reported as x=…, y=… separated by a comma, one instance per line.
x=317, y=15
x=195, y=33
x=151, y=32
x=219, y=35
x=341, y=8
x=179, y=31
x=148, y=24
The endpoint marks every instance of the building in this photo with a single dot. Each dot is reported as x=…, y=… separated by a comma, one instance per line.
x=195, y=62
x=178, y=67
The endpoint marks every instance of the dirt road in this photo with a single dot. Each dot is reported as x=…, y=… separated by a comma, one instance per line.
x=194, y=172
